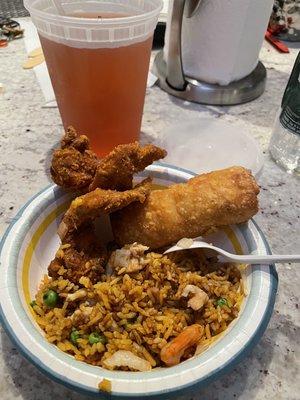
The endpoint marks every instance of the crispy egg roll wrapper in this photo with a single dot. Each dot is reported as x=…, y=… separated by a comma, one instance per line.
x=191, y=209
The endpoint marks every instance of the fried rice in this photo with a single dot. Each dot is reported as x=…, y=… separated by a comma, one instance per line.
x=139, y=311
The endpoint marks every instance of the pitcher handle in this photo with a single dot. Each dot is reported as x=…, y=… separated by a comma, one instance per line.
x=175, y=75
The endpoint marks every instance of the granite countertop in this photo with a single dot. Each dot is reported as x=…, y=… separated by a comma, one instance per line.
x=30, y=132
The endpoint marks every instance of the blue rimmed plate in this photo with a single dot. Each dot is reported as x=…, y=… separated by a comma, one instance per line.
x=31, y=242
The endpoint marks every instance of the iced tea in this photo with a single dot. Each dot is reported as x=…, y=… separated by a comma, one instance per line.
x=100, y=91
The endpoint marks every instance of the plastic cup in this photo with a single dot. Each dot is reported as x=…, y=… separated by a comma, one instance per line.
x=98, y=57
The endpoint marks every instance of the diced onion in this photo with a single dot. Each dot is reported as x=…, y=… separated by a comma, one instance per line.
x=124, y=358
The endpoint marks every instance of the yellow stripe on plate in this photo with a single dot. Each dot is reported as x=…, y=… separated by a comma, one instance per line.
x=156, y=186
x=32, y=245
x=233, y=238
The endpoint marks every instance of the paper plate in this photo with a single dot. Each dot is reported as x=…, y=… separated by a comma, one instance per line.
x=31, y=242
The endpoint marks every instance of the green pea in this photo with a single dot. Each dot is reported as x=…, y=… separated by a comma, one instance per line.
x=222, y=302
x=32, y=303
x=74, y=336
x=96, y=338
x=50, y=298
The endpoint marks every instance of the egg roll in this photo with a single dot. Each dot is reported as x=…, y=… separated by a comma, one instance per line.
x=201, y=205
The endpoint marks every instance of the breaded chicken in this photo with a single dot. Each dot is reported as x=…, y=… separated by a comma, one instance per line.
x=191, y=209
x=71, y=139
x=91, y=205
x=74, y=165
x=116, y=170
x=80, y=254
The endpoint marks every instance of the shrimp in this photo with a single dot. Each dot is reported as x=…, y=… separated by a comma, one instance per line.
x=172, y=352
x=198, y=300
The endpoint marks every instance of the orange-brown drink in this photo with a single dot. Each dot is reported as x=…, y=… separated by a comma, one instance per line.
x=100, y=91
x=98, y=58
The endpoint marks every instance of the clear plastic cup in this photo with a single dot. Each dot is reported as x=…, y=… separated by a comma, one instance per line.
x=98, y=57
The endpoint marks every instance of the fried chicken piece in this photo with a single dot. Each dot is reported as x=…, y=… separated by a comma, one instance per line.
x=80, y=254
x=91, y=205
x=187, y=210
x=116, y=170
x=81, y=143
x=74, y=165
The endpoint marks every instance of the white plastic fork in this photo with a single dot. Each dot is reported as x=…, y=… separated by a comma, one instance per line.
x=187, y=244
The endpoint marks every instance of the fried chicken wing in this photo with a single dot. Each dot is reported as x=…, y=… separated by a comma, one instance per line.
x=71, y=139
x=189, y=209
x=116, y=170
x=74, y=165
x=80, y=254
x=91, y=205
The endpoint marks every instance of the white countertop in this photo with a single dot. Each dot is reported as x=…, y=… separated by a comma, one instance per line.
x=28, y=135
